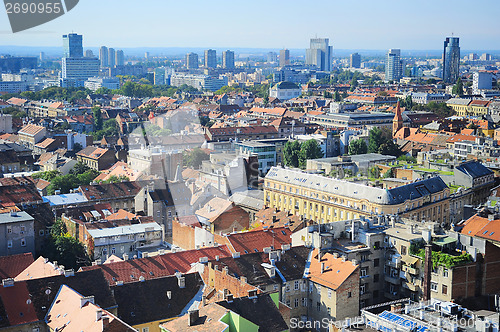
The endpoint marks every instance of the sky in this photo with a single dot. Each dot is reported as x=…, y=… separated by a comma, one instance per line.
x=354, y=24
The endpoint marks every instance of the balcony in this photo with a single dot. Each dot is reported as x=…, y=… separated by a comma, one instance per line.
x=392, y=279
x=395, y=265
x=409, y=269
x=410, y=286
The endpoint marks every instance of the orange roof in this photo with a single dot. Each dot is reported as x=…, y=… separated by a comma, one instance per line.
x=41, y=268
x=120, y=215
x=18, y=309
x=120, y=168
x=16, y=101
x=67, y=313
x=467, y=131
x=460, y=138
x=336, y=271
x=482, y=227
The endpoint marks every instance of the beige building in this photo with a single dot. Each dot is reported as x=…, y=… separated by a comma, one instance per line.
x=323, y=199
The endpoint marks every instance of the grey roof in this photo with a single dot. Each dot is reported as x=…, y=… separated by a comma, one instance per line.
x=250, y=198
x=459, y=101
x=357, y=191
x=474, y=169
x=123, y=230
x=65, y=199
x=367, y=157
x=7, y=218
x=358, y=116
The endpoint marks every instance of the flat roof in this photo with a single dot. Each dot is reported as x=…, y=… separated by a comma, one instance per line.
x=20, y=216
x=65, y=199
x=123, y=230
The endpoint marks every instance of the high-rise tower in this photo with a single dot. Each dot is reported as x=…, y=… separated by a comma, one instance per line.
x=393, y=65
x=320, y=54
x=72, y=46
x=451, y=60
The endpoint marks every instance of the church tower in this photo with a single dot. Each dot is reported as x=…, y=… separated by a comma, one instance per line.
x=397, y=122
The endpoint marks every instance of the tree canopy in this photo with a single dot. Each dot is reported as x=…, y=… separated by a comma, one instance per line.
x=357, y=146
x=296, y=154
x=195, y=157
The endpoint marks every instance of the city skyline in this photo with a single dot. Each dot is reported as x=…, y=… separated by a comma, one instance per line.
x=367, y=25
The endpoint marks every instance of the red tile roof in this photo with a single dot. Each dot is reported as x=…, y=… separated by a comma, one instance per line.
x=157, y=266
x=31, y=130
x=110, y=190
x=17, y=307
x=335, y=273
x=255, y=241
x=11, y=266
x=482, y=227
x=92, y=152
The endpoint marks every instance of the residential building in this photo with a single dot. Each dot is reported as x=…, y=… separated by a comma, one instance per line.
x=271, y=57
x=355, y=60
x=192, y=61
x=5, y=123
x=111, y=58
x=334, y=287
x=18, y=233
x=73, y=46
x=31, y=134
x=481, y=80
x=210, y=58
x=155, y=161
x=476, y=176
x=178, y=294
x=70, y=310
x=285, y=91
x=120, y=195
x=451, y=60
x=393, y=65
x=324, y=199
x=95, y=83
x=103, y=56
x=354, y=120
x=120, y=58
x=228, y=59
x=200, y=82
x=284, y=57
x=320, y=54
x=96, y=158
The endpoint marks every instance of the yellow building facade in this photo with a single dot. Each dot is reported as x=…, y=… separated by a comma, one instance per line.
x=325, y=200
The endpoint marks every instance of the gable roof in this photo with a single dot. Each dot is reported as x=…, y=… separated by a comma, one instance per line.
x=14, y=307
x=157, y=266
x=110, y=190
x=336, y=270
x=474, y=169
x=11, y=266
x=92, y=152
x=40, y=268
x=482, y=227
x=147, y=301
x=256, y=241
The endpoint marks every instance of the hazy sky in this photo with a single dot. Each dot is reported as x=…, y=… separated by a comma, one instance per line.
x=354, y=24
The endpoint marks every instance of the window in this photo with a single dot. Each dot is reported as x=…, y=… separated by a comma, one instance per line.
x=287, y=288
x=403, y=250
x=434, y=287
x=444, y=289
x=329, y=293
x=304, y=301
x=376, y=262
x=23, y=229
x=362, y=289
x=349, y=294
x=9, y=229
x=23, y=242
x=296, y=285
x=318, y=288
x=9, y=244
x=363, y=272
x=296, y=303
x=445, y=273
x=329, y=311
x=145, y=329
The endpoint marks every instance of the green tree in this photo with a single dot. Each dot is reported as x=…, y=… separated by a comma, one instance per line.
x=354, y=84
x=388, y=174
x=96, y=110
x=291, y=154
x=195, y=157
x=47, y=175
x=337, y=97
x=375, y=139
x=374, y=172
x=357, y=146
x=79, y=168
x=390, y=148
x=309, y=150
x=458, y=88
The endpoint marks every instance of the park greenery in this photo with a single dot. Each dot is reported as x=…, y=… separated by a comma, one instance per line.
x=80, y=175
x=59, y=246
x=193, y=158
x=296, y=154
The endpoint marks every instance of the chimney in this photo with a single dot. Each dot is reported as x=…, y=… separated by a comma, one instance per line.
x=344, y=258
x=105, y=322
x=69, y=273
x=354, y=262
x=225, y=270
x=203, y=300
x=182, y=282
x=193, y=316
x=322, y=267
x=85, y=299
x=125, y=257
x=427, y=272
x=217, y=258
x=98, y=314
x=8, y=282
x=274, y=219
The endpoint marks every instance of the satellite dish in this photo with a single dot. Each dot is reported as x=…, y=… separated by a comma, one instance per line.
x=48, y=291
x=28, y=301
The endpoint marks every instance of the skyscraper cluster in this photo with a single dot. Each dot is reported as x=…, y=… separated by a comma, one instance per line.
x=111, y=58
x=210, y=59
x=76, y=68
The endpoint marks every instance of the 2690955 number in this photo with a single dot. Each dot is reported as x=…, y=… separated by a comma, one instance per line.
x=32, y=8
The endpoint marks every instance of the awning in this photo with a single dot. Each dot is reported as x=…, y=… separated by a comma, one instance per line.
x=444, y=241
x=409, y=260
